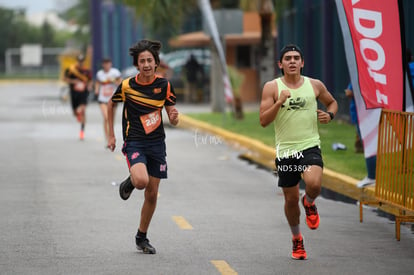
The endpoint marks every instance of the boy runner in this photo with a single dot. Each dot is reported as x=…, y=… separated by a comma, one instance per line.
x=144, y=97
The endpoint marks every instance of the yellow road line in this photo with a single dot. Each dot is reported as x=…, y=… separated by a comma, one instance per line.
x=182, y=223
x=119, y=157
x=223, y=267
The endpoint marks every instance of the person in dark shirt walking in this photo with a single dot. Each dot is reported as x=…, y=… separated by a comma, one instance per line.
x=194, y=74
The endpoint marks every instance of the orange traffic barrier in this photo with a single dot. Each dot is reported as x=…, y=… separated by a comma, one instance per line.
x=395, y=166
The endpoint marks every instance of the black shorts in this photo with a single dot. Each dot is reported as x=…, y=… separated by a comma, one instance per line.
x=78, y=98
x=290, y=169
x=151, y=153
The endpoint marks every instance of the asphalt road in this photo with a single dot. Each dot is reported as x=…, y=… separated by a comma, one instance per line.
x=61, y=213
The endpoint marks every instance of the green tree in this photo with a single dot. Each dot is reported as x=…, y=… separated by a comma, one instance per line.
x=170, y=14
x=79, y=14
x=156, y=15
x=47, y=35
x=15, y=31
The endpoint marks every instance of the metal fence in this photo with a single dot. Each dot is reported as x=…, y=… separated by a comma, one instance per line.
x=47, y=64
x=395, y=159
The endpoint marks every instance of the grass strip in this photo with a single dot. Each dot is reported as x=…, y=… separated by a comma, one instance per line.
x=342, y=161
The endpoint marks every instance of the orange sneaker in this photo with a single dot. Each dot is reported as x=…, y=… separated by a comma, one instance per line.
x=298, y=250
x=312, y=216
x=81, y=135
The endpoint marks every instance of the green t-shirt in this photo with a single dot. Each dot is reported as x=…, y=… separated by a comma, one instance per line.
x=296, y=123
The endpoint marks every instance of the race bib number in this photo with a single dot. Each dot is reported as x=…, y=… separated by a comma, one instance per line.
x=107, y=90
x=151, y=121
x=79, y=86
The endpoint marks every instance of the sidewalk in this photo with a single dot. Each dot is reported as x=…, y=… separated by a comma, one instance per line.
x=264, y=155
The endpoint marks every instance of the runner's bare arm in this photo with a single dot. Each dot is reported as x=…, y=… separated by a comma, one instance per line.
x=118, y=80
x=172, y=114
x=68, y=80
x=326, y=98
x=89, y=85
x=271, y=102
x=111, y=134
x=97, y=86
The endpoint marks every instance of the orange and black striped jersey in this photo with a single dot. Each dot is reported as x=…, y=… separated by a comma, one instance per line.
x=82, y=74
x=143, y=103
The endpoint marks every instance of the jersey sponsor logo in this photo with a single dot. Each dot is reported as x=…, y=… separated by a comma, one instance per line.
x=296, y=103
x=157, y=90
x=79, y=86
x=107, y=90
x=151, y=121
x=135, y=155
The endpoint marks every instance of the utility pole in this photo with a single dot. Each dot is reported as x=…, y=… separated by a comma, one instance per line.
x=267, y=62
x=218, y=103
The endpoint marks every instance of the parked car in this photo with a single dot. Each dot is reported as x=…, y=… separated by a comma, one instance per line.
x=176, y=61
x=129, y=71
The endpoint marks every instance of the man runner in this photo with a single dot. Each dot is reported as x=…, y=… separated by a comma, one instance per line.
x=290, y=102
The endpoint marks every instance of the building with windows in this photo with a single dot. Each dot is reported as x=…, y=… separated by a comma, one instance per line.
x=241, y=40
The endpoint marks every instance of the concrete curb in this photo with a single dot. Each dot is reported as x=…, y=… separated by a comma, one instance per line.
x=264, y=155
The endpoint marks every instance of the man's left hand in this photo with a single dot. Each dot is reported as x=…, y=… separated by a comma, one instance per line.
x=323, y=117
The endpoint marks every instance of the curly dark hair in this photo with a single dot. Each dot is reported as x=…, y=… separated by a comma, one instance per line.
x=145, y=45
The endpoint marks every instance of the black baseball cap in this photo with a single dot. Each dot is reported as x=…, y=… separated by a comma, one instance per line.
x=288, y=48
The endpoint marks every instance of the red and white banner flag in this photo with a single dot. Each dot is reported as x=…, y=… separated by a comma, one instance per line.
x=375, y=56
x=376, y=39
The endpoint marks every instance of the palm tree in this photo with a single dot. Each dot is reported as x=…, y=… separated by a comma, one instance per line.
x=161, y=13
x=266, y=10
x=80, y=14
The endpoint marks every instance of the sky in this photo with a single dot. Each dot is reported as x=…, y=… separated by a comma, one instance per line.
x=33, y=6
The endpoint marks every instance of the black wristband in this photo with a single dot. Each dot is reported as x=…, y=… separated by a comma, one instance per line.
x=331, y=115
